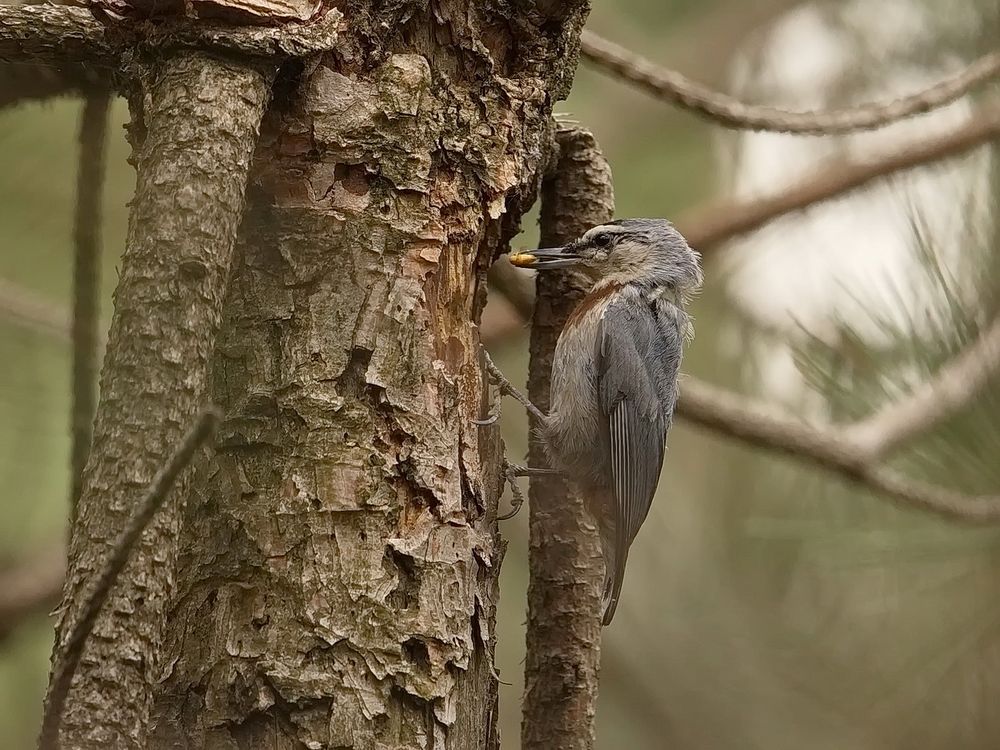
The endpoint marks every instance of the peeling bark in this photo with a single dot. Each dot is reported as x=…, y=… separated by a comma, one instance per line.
x=337, y=584
x=566, y=568
x=200, y=122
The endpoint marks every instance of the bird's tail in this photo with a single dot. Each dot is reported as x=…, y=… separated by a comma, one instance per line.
x=614, y=572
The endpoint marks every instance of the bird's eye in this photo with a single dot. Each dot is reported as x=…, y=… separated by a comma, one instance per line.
x=602, y=240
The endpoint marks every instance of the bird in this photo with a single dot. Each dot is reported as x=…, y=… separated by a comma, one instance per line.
x=613, y=386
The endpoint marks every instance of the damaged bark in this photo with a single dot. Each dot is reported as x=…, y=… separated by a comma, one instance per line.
x=566, y=569
x=339, y=559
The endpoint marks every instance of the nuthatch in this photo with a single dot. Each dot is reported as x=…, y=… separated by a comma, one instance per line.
x=614, y=375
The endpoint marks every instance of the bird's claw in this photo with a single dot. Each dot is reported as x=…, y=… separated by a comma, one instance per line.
x=515, y=491
x=510, y=474
x=530, y=471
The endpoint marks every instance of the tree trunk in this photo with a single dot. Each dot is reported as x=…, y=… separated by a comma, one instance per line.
x=564, y=592
x=192, y=163
x=339, y=558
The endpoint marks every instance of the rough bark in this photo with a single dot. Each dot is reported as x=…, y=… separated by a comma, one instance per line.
x=338, y=577
x=60, y=35
x=566, y=569
x=29, y=81
x=200, y=118
x=99, y=587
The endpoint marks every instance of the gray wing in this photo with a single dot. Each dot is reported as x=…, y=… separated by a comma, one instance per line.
x=638, y=359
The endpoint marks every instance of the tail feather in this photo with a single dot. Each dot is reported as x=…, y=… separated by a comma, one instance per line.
x=613, y=578
x=614, y=573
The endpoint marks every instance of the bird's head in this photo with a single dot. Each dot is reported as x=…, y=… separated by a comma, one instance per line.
x=644, y=251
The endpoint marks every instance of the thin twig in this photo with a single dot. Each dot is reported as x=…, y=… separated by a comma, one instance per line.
x=87, y=283
x=100, y=588
x=727, y=110
x=706, y=227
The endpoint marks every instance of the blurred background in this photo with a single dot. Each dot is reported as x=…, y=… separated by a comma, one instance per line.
x=767, y=604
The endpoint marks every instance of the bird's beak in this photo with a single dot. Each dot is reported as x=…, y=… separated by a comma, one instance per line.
x=546, y=259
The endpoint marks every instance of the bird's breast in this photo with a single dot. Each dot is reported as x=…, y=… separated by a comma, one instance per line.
x=574, y=430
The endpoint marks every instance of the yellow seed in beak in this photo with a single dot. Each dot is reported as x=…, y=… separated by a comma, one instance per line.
x=522, y=260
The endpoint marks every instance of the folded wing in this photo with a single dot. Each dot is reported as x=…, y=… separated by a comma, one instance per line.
x=638, y=359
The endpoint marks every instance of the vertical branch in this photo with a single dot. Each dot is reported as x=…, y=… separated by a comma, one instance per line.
x=199, y=127
x=87, y=282
x=566, y=569
x=100, y=586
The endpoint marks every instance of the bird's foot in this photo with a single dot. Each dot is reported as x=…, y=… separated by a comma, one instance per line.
x=506, y=388
x=510, y=474
x=518, y=497
x=530, y=471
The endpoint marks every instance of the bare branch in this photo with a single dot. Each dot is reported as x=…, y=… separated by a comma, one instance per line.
x=708, y=226
x=744, y=419
x=61, y=35
x=99, y=589
x=87, y=283
x=731, y=112
x=30, y=587
x=829, y=447
x=565, y=566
